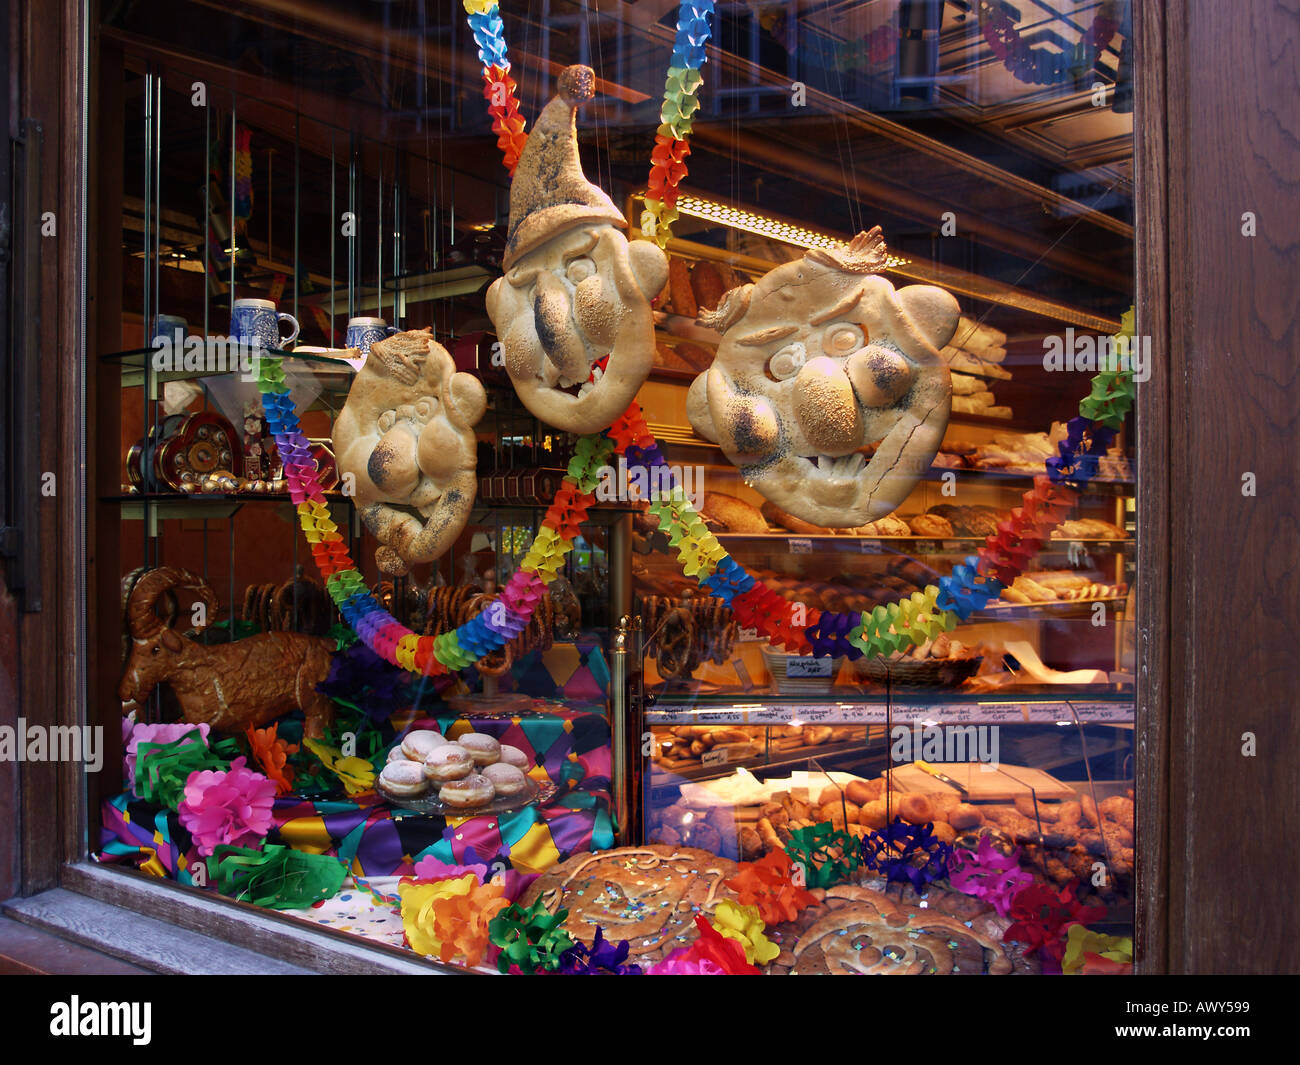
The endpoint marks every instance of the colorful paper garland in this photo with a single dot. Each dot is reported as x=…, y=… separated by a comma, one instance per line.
x=676, y=117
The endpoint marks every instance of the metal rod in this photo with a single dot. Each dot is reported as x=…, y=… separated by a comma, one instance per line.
x=618, y=730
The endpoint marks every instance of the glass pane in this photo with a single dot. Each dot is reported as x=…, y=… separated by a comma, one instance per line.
x=864, y=269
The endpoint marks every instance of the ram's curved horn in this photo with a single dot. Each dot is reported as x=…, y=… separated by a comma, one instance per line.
x=141, y=608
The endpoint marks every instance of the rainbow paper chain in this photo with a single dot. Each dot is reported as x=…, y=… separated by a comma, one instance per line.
x=676, y=116
x=499, y=88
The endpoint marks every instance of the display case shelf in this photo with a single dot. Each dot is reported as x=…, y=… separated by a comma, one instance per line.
x=944, y=708
x=199, y=506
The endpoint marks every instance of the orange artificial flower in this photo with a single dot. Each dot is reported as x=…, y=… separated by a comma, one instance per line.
x=272, y=754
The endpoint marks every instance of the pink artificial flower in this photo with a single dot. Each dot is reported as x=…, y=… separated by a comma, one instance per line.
x=682, y=963
x=988, y=874
x=227, y=807
x=513, y=882
x=134, y=735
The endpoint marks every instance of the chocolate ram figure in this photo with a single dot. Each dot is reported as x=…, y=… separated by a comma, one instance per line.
x=230, y=686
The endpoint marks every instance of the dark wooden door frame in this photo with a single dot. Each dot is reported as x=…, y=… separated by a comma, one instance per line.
x=1151, y=202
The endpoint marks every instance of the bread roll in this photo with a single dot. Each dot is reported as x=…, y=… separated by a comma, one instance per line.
x=964, y=816
x=708, y=285
x=864, y=791
x=679, y=288
x=873, y=815
x=777, y=516
x=930, y=525
x=737, y=515
x=916, y=809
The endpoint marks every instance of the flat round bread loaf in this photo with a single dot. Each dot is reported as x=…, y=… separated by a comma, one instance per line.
x=647, y=895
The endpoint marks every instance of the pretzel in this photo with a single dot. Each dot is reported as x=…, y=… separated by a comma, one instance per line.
x=676, y=642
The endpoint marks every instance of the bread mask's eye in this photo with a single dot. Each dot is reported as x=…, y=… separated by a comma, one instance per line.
x=580, y=269
x=425, y=408
x=787, y=362
x=842, y=339
x=387, y=420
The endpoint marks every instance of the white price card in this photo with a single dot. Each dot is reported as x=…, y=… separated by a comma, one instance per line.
x=715, y=757
x=1001, y=713
x=800, y=546
x=1105, y=712
x=807, y=666
x=771, y=715
x=871, y=547
x=670, y=716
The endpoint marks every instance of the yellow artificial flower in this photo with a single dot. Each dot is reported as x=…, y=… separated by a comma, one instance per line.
x=1081, y=941
x=479, y=7
x=418, y=913
x=743, y=924
x=356, y=774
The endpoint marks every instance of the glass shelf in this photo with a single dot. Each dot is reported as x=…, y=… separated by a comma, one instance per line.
x=168, y=506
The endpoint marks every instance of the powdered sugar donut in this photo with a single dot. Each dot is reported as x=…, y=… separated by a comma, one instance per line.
x=484, y=748
x=507, y=779
x=515, y=757
x=417, y=746
x=473, y=790
x=448, y=762
x=404, y=778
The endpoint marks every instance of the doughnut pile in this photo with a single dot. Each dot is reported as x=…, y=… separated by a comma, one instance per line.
x=468, y=772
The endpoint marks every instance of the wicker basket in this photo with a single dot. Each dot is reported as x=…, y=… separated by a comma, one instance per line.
x=925, y=673
x=785, y=685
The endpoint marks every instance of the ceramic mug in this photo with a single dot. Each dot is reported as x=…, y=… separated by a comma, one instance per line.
x=258, y=322
x=169, y=327
x=362, y=332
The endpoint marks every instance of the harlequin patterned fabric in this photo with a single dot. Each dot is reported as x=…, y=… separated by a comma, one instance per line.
x=569, y=747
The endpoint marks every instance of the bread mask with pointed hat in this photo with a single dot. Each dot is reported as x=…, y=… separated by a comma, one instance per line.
x=575, y=290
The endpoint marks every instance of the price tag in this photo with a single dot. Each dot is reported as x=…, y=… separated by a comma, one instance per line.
x=1048, y=713
x=771, y=715
x=670, y=716
x=871, y=547
x=1000, y=714
x=747, y=635
x=809, y=714
x=709, y=758
x=904, y=713
x=1105, y=712
x=807, y=666
x=800, y=547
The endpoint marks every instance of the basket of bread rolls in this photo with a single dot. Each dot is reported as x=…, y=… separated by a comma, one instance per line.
x=944, y=662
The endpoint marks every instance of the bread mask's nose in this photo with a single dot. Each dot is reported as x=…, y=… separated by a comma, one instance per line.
x=826, y=408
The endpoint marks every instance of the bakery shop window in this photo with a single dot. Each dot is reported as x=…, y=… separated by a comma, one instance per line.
x=549, y=485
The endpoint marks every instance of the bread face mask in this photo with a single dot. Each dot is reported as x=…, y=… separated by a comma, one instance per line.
x=819, y=359
x=406, y=434
x=575, y=290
